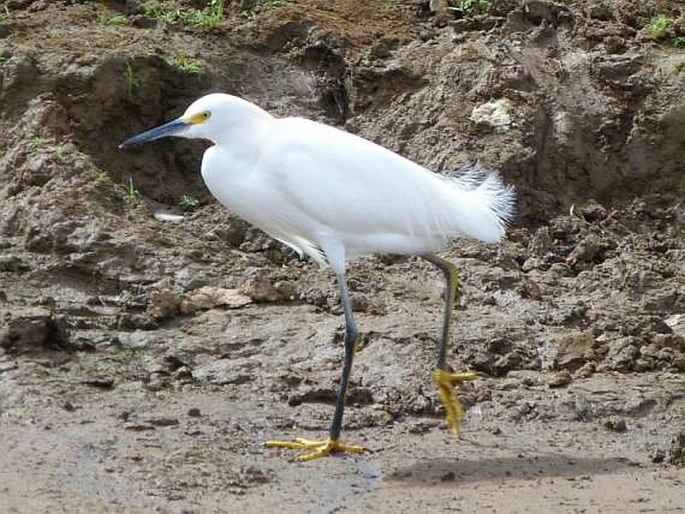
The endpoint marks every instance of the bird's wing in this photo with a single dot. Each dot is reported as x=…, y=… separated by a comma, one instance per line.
x=351, y=185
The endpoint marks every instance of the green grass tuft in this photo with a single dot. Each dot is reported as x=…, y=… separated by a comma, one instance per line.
x=37, y=143
x=189, y=203
x=659, y=26
x=187, y=64
x=130, y=190
x=116, y=20
x=471, y=8
x=131, y=79
x=210, y=17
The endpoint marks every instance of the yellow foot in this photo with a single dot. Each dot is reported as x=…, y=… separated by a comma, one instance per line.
x=318, y=448
x=448, y=396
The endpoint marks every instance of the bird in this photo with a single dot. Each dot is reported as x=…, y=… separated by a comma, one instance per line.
x=334, y=196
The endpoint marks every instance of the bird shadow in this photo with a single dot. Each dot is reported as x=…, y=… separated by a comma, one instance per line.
x=448, y=472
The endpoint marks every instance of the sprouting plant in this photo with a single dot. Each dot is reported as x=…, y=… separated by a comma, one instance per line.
x=100, y=175
x=115, y=20
x=210, y=17
x=131, y=192
x=132, y=82
x=189, y=203
x=678, y=42
x=216, y=11
x=60, y=150
x=659, y=26
x=186, y=64
x=36, y=143
x=153, y=11
x=470, y=8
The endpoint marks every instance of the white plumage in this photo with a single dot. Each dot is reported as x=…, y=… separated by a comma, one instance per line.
x=325, y=192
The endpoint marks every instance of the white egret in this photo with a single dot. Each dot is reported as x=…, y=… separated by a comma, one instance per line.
x=333, y=196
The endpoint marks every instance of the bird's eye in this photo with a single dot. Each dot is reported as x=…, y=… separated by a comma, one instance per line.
x=205, y=115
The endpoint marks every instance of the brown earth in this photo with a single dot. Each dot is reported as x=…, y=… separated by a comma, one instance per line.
x=143, y=362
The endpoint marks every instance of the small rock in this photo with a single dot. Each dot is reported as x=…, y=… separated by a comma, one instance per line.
x=495, y=114
x=209, y=297
x=506, y=363
x=559, y=379
x=614, y=45
x=533, y=263
x=12, y=263
x=157, y=381
x=593, y=211
x=622, y=354
x=677, y=324
x=524, y=408
x=100, y=383
x=538, y=11
x=261, y=290
x=574, y=350
x=131, y=321
x=585, y=370
x=616, y=425
x=163, y=422
x=194, y=412
x=286, y=289
x=418, y=427
x=137, y=340
x=163, y=304
x=658, y=456
x=583, y=408
x=676, y=454
x=679, y=362
x=183, y=373
x=35, y=331
x=590, y=250
x=541, y=243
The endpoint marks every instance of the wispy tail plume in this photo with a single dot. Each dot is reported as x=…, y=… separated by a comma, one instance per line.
x=484, y=202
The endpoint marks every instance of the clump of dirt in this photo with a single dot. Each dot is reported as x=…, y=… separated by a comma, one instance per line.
x=150, y=340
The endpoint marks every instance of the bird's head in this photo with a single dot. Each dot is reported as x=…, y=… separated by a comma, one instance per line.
x=207, y=118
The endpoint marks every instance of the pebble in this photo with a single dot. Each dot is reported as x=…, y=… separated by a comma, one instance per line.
x=559, y=379
x=616, y=425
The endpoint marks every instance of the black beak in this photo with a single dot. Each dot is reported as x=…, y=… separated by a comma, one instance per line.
x=173, y=128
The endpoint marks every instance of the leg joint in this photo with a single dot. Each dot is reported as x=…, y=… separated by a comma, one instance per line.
x=351, y=334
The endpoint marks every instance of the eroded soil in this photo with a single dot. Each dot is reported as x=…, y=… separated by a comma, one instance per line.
x=144, y=361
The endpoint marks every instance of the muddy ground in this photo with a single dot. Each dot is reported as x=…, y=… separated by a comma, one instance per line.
x=144, y=361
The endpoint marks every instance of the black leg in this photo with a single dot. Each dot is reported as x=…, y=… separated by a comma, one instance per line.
x=351, y=335
x=445, y=379
x=333, y=444
x=451, y=283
